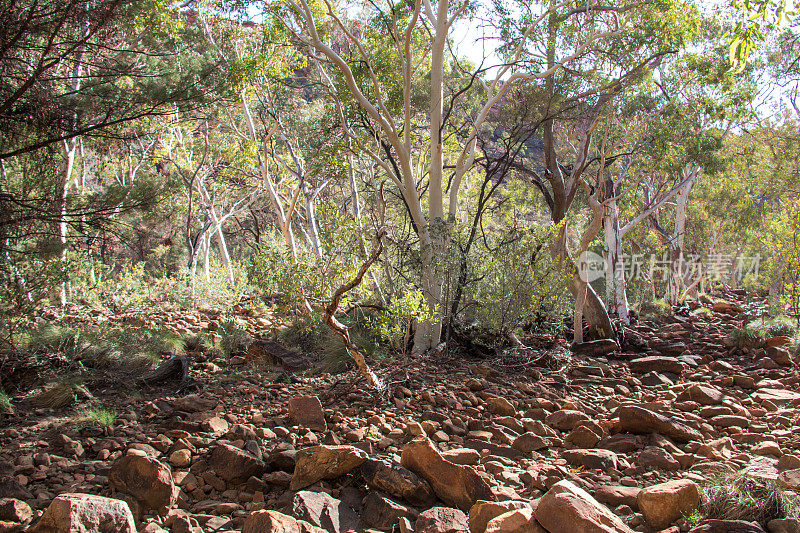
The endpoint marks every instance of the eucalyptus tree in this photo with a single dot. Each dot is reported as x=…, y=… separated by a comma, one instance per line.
x=79, y=69
x=409, y=147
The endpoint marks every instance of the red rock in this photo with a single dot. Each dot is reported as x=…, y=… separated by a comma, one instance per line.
x=306, y=411
x=146, y=479
x=727, y=526
x=664, y=503
x=636, y=419
x=324, y=462
x=516, y=521
x=657, y=363
x=702, y=394
x=233, y=464
x=566, y=508
x=457, y=485
x=69, y=513
x=441, y=520
x=565, y=419
x=483, y=511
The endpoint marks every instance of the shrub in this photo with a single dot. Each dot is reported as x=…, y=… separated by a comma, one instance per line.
x=233, y=334
x=101, y=417
x=5, y=403
x=741, y=497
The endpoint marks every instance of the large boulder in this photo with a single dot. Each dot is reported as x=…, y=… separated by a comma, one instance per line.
x=146, y=479
x=441, y=520
x=483, y=512
x=323, y=510
x=306, y=411
x=233, y=464
x=567, y=508
x=591, y=459
x=324, y=462
x=86, y=513
x=635, y=419
x=265, y=521
x=14, y=510
x=382, y=513
x=657, y=363
x=516, y=521
x=702, y=394
x=397, y=481
x=457, y=485
x=566, y=419
x=664, y=503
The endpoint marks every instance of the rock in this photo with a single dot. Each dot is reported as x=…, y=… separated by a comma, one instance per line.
x=664, y=503
x=784, y=525
x=456, y=485
x=483, y=511
x=323, y=510
x=13, y=510
x=530, y=442
x=180, y=458
x=727, y=421
x=595, y=348
x=778, y=397
x=194, y=403
x=566, y=508
x=146, y=479
x=657, y=363
x=324, y=462
x=779, y=355
x=233, y=464
x=565, y=419
x=306, y=411
x=789, y=462
x=462, y=456
x=702, y=394
x=397, y=481
x=441, y=520
x=767, y=447
x=654, y=379
x=592, y=459
x=516, y=521
x=727, y=307
x=501, y=406
x=265, y=521
x=79, y=513
x=655, y=457
x=382, y=513
x=616, y=495
x=583, y=437
x=727, y=526
x=636, y=419
x=790, y=479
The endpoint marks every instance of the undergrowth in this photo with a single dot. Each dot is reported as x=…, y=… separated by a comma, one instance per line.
x=104, y=418
x=5, y=403
x=742, y=497
x=753, y=334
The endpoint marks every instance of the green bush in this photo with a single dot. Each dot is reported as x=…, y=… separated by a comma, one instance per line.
x=104, y=418
x=741, y=497
x=5, y=403
x=753, y=334
x=233, y=335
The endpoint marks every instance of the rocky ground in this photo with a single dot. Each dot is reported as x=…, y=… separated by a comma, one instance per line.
x=586, y=443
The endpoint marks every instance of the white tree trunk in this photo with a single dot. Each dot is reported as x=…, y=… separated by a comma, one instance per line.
x=677, y=264
x=616, y=292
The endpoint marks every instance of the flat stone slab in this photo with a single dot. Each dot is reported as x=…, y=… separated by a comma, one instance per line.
x=776, y=396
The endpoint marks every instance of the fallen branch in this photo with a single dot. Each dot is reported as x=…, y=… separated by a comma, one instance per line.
x=340, y=328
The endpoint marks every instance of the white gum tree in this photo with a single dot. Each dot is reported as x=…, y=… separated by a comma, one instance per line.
x=428, y=179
